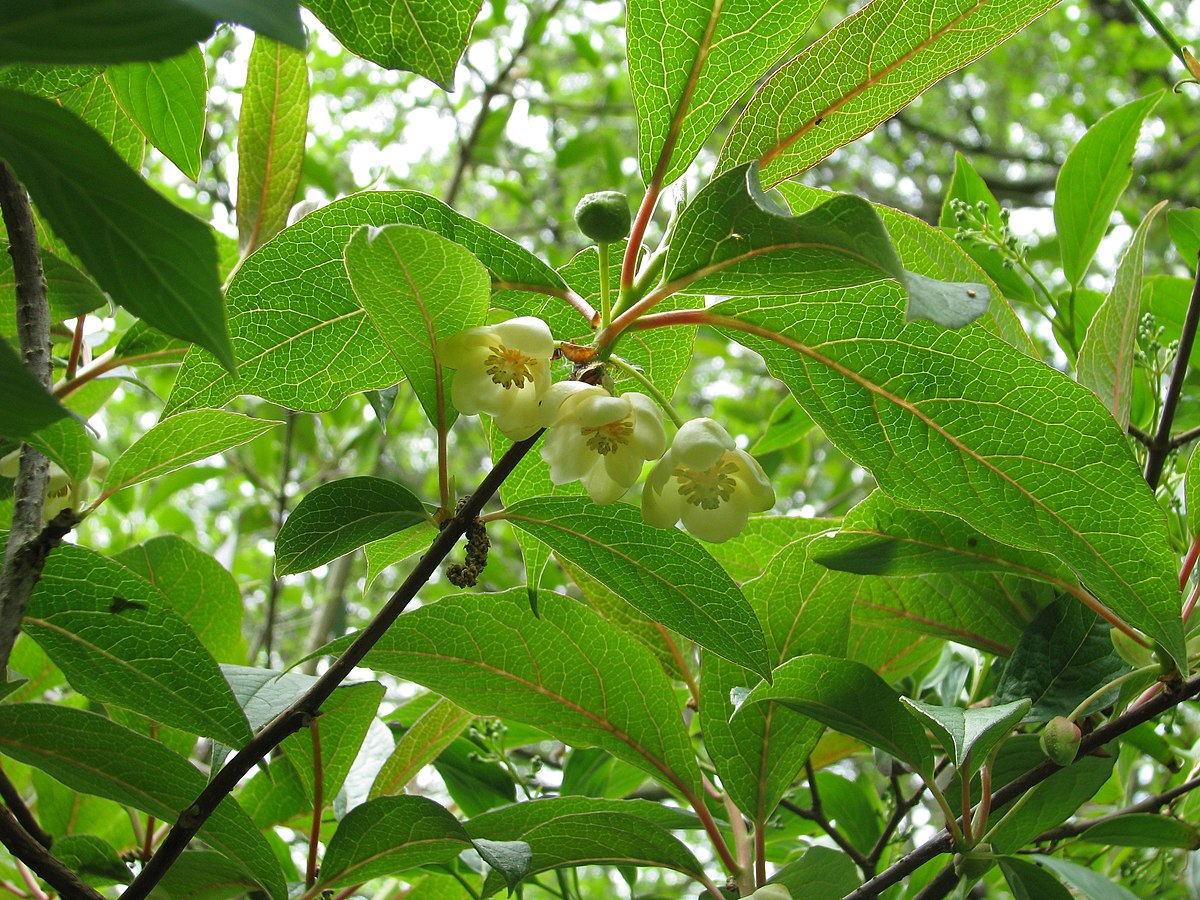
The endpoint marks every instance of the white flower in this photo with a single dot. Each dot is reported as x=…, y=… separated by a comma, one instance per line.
x=502, y=370
x=707, y=482
x=600, y=439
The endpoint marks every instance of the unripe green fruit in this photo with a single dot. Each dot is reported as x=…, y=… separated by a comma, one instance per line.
x=1130, y=650
x=1060, y=740
x=604, y=216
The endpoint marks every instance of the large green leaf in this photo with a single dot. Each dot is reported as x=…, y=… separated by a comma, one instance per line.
x=1030, y=882
x=804, y=608
x=968, y=735
x=885, y=55
x=341, y=516
x=958, y=421
x=436, y=728
x=96, y=104
x=166, y=100
x=1090, y=883
x=1064, y=655
x=850, y=698
x=1107, y=354
x=1143, y=830
x=301, y=336
x=1091, y=181
x=422, y=36
x=822, y=873
x=663, y=572
x=90, y=754
x=341, y=728
x=575, y=831
x=28, y=405
x=418, y=289
x=47, y=81
x=157, y=261
x=690, y=62
x=735, y=239
x=113, y=31
x=567, y=672
x=179, y=442
x=198, y=588
x=118, y=640
x=271, y=131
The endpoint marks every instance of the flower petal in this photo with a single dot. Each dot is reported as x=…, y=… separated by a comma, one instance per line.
x=528, y=334
x=700, y=443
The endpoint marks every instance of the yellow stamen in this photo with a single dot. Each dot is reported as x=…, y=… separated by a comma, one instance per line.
x=606, y=439
x=509, y=368
x=707, y=488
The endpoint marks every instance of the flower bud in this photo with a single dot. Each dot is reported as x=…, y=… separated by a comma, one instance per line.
x=604, y=216
x=1060, y=740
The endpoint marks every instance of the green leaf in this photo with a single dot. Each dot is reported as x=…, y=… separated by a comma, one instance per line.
x=486, y=652
x=884, y=56
x=663, y=572
x=301, y=334
x=822, y=873
x=1143, y=830
x=157, y=261
x=1184, y=227
x=198, y=588
x=70, y=292
x=67, y=444
x=418, y=289
x=1091, y=884
x=1031, y=882
x=397, y=547
x=1064, y=655
x=88, y=753
x=179, y=442
x=571, y=831
x=47, y=81
x=1192, y=494
x=1107, y=354
x=436, y=728
x=93, y=858
x=789, y=424
x=29, y=407
x=735, y=239
x=422, y=36
x=277, y=19
x=341, y=516
x=1049, y=803
x=804, y=608
x=96, y=104
x=117, y=639
x=1016, y=449
x=203, y=875
x=1092, y=179
x=850, y=698
x=968, y=186
x=389, y=835
x=968, y=735
x=342, y=725
x=689, y=63
x=166, y=100
x=271, y=132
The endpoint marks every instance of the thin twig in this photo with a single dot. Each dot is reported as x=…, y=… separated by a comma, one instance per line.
x=314, y=835
x=22, y=569
x=902, y=809
x=281, y=498
x=1161, y=444
x=302, y=710
x=22, y=845
x=816, y=813
x=1185, y=437
x=1150, y=804
x=16, y=803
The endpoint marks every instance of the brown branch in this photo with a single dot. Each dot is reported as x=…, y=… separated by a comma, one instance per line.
x=22, y=569
x=1161, y=444
x=817, y=814
x=23, y=846
x=301, y=712
x=1150, y=804
x=1185, y=437
x=16, y=804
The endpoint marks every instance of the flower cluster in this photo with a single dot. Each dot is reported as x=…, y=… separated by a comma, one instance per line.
x=603, y=440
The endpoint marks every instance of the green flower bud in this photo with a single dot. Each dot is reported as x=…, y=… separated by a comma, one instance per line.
x=604, y=216
x=1060, y=740
x=1130, y=650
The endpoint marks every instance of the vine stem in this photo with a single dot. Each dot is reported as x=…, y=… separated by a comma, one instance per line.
x=1116, y=682
x=1161, y=444
x=308, y=705
x=640, y=377
x=314, y=834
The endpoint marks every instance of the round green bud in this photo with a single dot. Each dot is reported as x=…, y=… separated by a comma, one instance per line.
x=604, y=216
x=1060, y=740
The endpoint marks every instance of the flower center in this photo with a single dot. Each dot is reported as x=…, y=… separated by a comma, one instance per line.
x=606, y=439
x=509, y=368
x=707, y=488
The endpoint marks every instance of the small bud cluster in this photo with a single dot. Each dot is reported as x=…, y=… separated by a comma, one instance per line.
x=975, y=225
x=467, y=574
x=603, y=440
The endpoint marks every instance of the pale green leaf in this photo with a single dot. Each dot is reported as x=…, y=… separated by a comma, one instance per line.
x=1092, y=179
x=394, y=548
x=341, y=516
x=47, y=81
x=1184, y=226
x=1090, y=883
x=664, y=573
x=90, y=754
x=490, y=655
x=850, y=698
x=181, y=441
x=420, y=745
x=67, y=444
x=418, y=289
x=166, y=100
x=271, y=131
x=958, y=421
x=117, y=639
x=156, y=260
x=690, y=62
x=1143, y=830
x=422, y=36
x=301, y=336
x=884, y=56
x=1107, y=354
